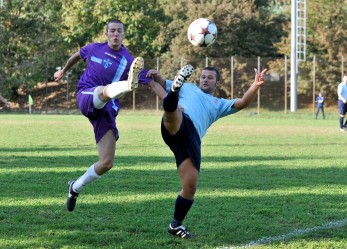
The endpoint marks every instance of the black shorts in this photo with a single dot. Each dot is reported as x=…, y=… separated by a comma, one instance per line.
x=185, y=143
x=342, y=107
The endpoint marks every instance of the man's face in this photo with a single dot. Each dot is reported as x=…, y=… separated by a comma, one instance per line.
x=208, y=81
x=115, y=35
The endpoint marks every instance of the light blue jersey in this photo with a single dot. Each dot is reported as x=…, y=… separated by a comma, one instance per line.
x=203, y=109
x=342, y=89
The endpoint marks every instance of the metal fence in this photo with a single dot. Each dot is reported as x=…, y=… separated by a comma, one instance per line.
x=237, y=74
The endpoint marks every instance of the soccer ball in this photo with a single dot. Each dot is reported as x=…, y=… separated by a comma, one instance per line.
x=202, y=32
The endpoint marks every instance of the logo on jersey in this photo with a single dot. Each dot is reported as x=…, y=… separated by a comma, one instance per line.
x=96, y=59
x=111, y=55
x=107, y=63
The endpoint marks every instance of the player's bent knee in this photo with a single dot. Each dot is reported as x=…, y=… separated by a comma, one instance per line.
x=106, y=164
x=97, y=102
x=107, y=167
x=190, y=189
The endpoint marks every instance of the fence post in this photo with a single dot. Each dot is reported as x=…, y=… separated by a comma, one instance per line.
x=285, y=85
x=314, y=83
x=232, y=77
x=157, y=98
x=342, y=66
x=259, y=87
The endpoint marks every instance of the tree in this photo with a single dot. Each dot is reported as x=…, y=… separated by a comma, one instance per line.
x=84, y=22
x=28, y=29
x=245, y=29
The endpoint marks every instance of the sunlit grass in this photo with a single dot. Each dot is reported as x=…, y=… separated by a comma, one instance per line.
x=261, y=176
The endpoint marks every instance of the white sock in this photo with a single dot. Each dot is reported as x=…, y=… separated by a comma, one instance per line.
x=97, y=102
x=116, y=90
x=88, y=177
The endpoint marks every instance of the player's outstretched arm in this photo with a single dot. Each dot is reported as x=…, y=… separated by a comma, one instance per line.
x=152, y=73
x=157, y=84
x=70, y=62
x=252, y=91
x=157, y=89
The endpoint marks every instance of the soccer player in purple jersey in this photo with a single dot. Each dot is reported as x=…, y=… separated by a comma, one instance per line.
x=189, y=110
x=111, y=72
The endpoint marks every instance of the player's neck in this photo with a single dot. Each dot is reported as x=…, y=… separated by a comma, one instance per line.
x=115, y=47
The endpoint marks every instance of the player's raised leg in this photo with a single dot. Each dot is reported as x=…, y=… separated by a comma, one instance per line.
x=116, y=89
x=134, y=73
x=172, y=117
x=182, y=75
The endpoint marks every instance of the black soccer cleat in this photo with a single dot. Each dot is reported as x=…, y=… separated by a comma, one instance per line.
x=179, y=231
x=72, y=197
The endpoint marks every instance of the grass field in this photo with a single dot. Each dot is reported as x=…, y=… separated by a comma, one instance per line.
x=267, y=181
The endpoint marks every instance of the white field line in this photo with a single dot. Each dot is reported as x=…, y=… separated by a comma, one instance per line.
x=297, y=232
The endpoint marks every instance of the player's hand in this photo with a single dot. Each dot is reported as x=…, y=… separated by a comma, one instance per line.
x=153, y=73
x=58, y=75
x=259, y=77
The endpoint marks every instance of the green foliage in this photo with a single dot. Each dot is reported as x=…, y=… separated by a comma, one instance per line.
x=85, y=20
x=38, y=36
x=28, y=31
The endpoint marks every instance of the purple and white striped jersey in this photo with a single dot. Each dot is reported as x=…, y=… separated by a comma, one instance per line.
x=106, y=65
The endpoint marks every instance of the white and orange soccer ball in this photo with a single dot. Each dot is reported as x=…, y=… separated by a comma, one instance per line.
x=202, y=32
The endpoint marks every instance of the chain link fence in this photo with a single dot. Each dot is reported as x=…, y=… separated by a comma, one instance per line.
x=237, y=74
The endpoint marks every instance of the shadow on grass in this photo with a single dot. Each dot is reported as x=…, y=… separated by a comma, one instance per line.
x=105, y=217
x=142, y=224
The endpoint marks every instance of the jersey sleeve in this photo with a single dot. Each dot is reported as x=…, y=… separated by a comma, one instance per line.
x=143, y=80
x=227, y=107
x=340, y=88
x=84, y=51
x=168, y=84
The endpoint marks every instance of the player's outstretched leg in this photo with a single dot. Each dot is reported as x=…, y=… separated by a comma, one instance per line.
x=71, y=198
x=182, y=75
x=134, y=73
x=117, y=89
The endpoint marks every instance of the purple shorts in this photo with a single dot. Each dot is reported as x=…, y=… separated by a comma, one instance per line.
x=103, y=119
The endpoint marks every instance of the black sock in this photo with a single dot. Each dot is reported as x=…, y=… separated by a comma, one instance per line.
x=170, y=102
x=182, y=207
x=341, y=122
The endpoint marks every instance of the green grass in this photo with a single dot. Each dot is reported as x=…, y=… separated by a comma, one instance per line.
x=262, y=177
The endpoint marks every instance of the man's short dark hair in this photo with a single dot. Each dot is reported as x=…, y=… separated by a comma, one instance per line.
x=213, y=69
x=113, y=21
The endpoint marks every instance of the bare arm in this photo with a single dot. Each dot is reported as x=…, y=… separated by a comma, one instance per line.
x=157, y=89
x=341, y=97
x=252, y=91
x=70, y=62
x=158, y=84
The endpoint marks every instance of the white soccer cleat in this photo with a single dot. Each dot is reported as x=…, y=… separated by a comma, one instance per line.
x=134, y=73
x=182, y=75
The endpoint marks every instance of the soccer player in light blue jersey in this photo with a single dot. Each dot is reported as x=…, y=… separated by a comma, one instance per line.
x=342, y=102
x=111, y=72
x=189, y=110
